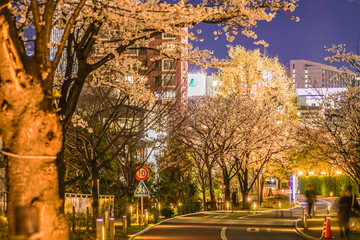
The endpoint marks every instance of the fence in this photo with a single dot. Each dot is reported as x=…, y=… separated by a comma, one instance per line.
x=3, y=201
x=81, y=202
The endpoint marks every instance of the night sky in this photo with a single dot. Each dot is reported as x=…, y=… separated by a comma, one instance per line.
x=322, y=23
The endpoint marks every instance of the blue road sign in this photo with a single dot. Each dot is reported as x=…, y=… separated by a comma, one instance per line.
x=141, y=190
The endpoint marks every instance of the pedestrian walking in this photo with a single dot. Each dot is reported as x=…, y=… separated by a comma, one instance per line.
x=310, y=198
x=348, y=208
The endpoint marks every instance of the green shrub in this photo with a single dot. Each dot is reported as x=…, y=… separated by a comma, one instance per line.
x=188, y=207
x=3, y=227
x=324, y=185
x=156, y=216
x=167, y=212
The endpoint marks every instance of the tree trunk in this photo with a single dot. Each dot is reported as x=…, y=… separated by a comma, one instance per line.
x=94, y=197
x=212, y=193
x=245, y=196
x=227, y=185
x=244, y=188
x=127, y=209
x=61, y=174
x=32, y=136
x=262, y=184
x=204, y=196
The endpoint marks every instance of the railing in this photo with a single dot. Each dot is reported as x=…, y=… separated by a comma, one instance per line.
x=82, y=202
x=3, y=201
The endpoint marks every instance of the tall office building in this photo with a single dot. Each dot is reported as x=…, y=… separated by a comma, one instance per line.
x=308, y=74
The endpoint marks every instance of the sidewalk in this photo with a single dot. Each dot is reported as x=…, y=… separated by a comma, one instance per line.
x=316, y=224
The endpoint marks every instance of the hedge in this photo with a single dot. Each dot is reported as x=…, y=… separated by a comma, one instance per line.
x=324, y=185
x=188, y=207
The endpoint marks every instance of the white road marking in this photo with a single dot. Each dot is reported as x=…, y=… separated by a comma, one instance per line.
x=223, y=236
x=252, y=229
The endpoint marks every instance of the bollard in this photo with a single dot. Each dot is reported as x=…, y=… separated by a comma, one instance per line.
x=112, y=228
x=227, y=206
x=328, y=209
x=305, y=221
x=146, y=217
x=124, y=224
x=73, y=219
x=87, y=218
x=314, y=209
x=99, y=229
x=303, y=212
x=106, y=219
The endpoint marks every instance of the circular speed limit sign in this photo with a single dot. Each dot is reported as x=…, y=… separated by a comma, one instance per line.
x=142, y=173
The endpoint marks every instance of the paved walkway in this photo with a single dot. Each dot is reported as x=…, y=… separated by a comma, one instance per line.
x=316, y=223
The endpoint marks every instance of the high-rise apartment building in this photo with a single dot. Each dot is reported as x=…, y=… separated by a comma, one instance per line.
x=308, y=74
x=166, y=77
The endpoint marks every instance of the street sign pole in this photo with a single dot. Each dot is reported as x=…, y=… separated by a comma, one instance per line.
x=142, y=210
x=137, y=213
x=142, y=191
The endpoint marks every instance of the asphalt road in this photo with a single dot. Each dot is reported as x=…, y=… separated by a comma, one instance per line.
x=244, y=225
x=227, y=225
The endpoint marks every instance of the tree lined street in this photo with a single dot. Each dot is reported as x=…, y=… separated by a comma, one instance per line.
x=93, y=91
x=233, y=225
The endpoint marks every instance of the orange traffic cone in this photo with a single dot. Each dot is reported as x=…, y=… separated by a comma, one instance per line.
x=326, y=234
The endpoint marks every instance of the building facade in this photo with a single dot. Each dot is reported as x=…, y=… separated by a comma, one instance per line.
x=308, y=74
x=166, y=77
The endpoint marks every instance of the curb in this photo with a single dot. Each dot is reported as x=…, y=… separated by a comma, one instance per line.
x=301, y=233
x=156, y=224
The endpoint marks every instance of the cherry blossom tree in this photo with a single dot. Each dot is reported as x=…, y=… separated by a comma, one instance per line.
x=110, y=129
x=30, y=127
x=333, y=130
x=267, y=101
x=210, y=131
